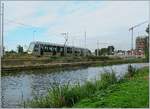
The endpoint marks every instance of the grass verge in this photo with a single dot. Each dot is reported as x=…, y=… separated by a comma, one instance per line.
x=132, y=92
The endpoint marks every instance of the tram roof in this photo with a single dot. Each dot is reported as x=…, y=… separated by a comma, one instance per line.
x=54, y=44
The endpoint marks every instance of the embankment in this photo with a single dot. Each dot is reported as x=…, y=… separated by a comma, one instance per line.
x=132, y=92
x=24, y=64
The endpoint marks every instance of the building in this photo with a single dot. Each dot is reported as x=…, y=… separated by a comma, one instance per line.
x=141, y=43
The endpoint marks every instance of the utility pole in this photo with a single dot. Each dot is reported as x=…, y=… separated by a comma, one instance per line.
x=66, y=43
x=2, y=30
x=97, y=47
x=66, y=39
x=85, y=42
x=72, y=44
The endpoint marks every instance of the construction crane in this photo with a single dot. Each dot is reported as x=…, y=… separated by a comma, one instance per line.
x=131, y=29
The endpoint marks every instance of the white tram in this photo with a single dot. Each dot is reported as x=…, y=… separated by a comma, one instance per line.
x=44, y=48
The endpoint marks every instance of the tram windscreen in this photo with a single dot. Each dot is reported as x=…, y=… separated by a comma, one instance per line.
x=31, y=47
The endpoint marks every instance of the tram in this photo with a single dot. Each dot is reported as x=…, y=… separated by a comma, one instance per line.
x=45, y=48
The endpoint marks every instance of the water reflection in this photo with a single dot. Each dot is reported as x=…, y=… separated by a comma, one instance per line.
x=25, y=85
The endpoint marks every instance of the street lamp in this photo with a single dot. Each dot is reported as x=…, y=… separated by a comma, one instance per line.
x=66, y=39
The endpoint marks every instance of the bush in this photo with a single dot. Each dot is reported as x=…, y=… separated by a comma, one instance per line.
x=95, y=58
x=131, y=70
x=108, y=79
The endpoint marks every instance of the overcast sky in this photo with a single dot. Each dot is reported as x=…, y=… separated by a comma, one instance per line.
x=105, y=21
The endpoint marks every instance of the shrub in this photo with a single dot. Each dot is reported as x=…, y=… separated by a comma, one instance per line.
x=95, y=58
x=108, y=79
x=131, y=70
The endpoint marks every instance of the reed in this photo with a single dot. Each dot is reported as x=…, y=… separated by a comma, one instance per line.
x=67, y=95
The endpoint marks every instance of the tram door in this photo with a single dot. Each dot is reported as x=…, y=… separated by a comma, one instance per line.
x=40, y=49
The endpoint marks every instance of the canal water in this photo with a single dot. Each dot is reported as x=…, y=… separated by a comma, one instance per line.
x=19, y=87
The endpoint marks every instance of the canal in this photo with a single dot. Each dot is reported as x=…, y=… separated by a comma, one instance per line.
x=22, y=86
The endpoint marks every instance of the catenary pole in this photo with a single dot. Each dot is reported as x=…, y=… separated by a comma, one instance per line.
x=85, y=42
x=0, y=29
x=97, y=47
x=2, y=48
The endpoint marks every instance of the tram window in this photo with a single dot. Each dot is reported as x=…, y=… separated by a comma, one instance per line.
x=44, y=48
x=55, y=48
x=58, y=49
x=50, y=48
x=71, y=50
x=61, y=49
x=36, y=47
x=68, y=50
x=47, y=48
x=41, y=47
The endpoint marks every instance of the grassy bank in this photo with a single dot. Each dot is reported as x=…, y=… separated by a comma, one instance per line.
x=51, y=59
x=55, y=62
x=132, y=91
x=58, y=59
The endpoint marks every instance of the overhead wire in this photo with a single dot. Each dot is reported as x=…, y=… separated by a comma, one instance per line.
x=20, y=23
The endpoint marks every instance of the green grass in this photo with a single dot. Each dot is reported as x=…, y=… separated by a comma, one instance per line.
x=131, y=92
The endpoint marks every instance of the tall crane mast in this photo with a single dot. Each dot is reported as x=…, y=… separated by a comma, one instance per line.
x=131, y=29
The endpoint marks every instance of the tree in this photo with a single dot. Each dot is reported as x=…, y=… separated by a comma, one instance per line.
x=146, y=50
x=11, y=51
x=110, y=50
x=103, y=51
x=96, y=52
x=147, y=29
x=20, y=49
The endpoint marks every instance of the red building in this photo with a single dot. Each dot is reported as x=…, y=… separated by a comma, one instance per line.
x=141, y=44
